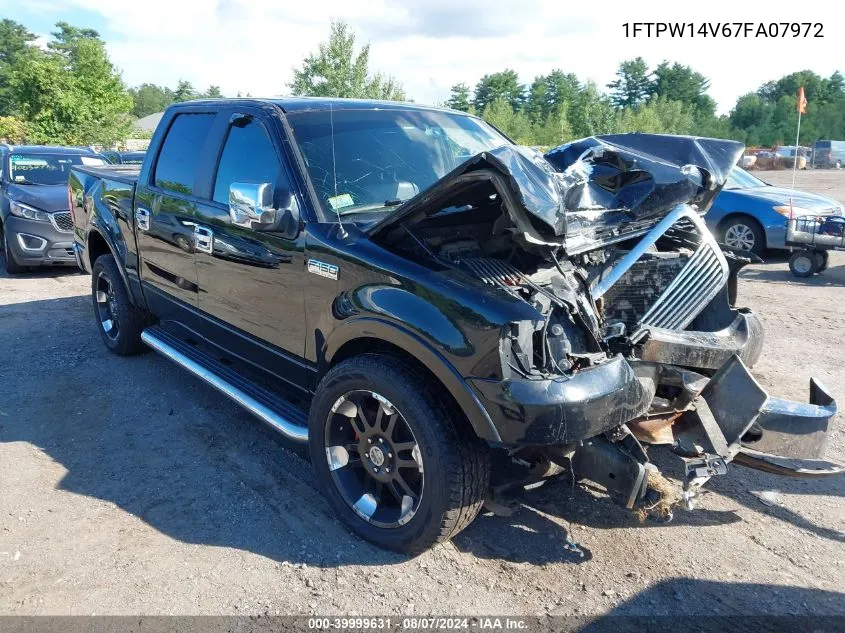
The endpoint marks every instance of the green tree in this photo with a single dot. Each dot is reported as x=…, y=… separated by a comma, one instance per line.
x=459, y=97
x=149, y=99
x=632, y=85
x=561, y=89
x=502, y=85
x=15, y=43
x=213, y=92
x=658, y=116
x=591, y=112
x=184, y=92
x=337, y=71
x=536, y=103
x=71, y=93
x=515, y=124
x=12, y=130
x=677, y=82
x=67, y=37
x=554, y=130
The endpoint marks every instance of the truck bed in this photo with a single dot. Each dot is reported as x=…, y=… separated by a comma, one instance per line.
x=122, y=173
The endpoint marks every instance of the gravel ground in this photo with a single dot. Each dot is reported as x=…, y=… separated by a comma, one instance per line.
x=128, y=487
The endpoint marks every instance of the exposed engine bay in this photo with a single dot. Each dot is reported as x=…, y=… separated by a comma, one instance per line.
x=604, y=239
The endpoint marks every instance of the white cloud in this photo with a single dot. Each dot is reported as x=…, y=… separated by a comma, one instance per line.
x=252, y=45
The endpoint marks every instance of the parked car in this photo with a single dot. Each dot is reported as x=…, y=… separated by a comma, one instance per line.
x=123, y=158
x=438, y=313
x=750, y=214
x=828, y=154
x=35, y=217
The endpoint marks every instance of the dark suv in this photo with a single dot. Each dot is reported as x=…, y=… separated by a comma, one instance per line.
x=35, y=215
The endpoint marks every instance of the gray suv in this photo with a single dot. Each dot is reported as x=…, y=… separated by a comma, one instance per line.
x=35, y=220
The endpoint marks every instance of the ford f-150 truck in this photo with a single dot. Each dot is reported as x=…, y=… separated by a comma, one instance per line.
x=442, y=315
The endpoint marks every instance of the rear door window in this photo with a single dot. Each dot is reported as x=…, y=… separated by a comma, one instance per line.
x=179, y=157
x=248, y=156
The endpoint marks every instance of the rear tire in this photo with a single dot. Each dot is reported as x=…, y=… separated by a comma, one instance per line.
x=822, y=260
x=119, y=321
x=446, y=474
x=12, y=265
x=803, y=264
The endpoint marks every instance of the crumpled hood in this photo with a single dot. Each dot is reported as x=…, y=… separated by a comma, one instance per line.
x=44, y=197
x=575, y=193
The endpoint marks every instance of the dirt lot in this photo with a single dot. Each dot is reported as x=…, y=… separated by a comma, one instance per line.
x=128, y=487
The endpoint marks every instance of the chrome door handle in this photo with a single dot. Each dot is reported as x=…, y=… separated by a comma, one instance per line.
x=142, y=219
x=203, y=239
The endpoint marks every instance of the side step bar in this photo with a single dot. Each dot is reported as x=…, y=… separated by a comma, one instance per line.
x=282, y=416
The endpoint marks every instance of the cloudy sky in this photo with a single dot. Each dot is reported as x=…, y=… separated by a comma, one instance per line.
x=252, y=45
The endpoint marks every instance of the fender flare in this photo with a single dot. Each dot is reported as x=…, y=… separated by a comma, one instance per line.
x=380, y=329
x=94, y=228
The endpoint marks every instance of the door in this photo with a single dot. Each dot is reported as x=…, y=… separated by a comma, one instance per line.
x=251, y=280
x=165, y=214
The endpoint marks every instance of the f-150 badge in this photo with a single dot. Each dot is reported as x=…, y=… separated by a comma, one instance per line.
x=322, y=268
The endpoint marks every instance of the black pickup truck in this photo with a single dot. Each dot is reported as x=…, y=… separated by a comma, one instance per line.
x=443, y=316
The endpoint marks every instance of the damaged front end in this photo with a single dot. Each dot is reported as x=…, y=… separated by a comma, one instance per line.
x=634, y=338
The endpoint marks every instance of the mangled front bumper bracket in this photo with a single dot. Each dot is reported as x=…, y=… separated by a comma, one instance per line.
x=734, y=419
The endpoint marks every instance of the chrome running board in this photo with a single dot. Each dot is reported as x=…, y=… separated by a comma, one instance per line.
x=270, y=408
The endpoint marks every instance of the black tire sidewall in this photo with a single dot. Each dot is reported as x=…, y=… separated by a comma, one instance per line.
x=385, y=376
x=822, y=260
x=128, y=340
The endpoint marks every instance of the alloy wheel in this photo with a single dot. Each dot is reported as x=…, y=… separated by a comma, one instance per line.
x=740, y=236
x=374, y=459
x=106, y=301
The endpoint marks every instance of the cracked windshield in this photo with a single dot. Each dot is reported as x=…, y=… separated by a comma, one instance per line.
x=376, y=160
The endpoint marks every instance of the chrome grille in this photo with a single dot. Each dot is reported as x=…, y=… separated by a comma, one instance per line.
x=63, y=221
x=690, y=291
x=694, y=285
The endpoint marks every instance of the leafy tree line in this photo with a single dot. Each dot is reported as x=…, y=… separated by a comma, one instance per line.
x=672, y=98
x=70, y=92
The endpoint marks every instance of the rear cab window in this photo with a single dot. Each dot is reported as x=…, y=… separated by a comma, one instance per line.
x=180, y=154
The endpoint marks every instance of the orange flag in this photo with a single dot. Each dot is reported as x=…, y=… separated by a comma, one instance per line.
x=802, y=101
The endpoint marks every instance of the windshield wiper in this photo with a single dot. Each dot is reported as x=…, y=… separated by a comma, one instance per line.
x=393, y=202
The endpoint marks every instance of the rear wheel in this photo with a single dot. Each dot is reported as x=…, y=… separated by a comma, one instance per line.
x=745, y=234
x=399, y=467
x=12, y=265
x=803, y=263
x=822, y=260
x=119, y=321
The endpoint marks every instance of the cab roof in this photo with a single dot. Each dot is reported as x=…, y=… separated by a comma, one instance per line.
x=303, y=104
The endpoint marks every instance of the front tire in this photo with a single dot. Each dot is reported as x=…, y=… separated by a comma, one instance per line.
x=395, y=462
x=803, y=264
x=745, y=234
x=12, y=265
x=119, y=321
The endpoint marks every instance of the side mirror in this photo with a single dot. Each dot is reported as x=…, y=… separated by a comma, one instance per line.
x=251, y=206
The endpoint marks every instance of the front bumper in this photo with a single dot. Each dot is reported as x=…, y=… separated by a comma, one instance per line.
x=563, y=410
x=706, y=350
x=765, y=432
x=35, y=243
